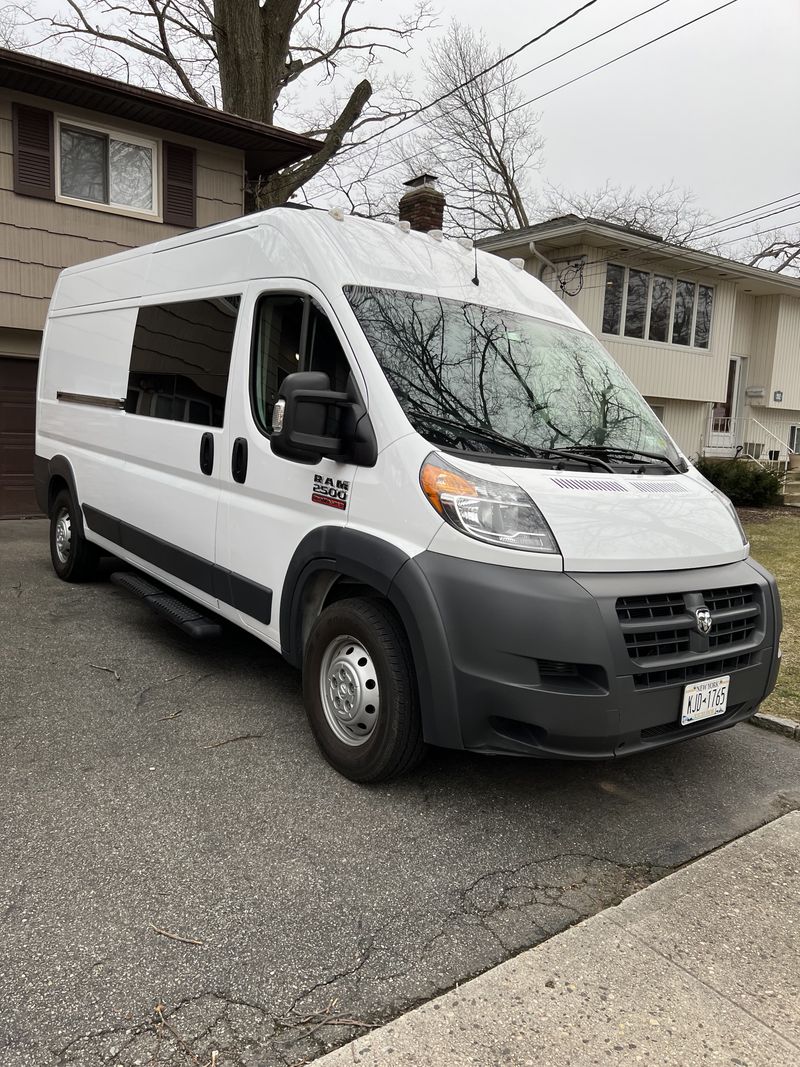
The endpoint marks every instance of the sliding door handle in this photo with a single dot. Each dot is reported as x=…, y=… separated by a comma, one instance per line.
x=239, y=460
x=207, y=453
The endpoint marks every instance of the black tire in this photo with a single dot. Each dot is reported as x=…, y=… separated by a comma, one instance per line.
x=74, y=559
x=394, y=744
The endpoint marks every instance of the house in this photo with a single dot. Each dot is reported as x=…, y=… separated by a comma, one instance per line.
x=90, y=166
x=713, y=345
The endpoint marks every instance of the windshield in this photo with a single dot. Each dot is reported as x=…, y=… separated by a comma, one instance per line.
x=532, y=383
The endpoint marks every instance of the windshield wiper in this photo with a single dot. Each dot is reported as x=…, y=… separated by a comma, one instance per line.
x=627, y=453
x=488, y=434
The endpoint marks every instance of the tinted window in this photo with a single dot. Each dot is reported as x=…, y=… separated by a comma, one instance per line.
x=682, y=318
x=702, y=326
x=83, y=165
x=291, y=333
x=660, y=308
x=636, y=305
x=615, y=277
x=180, y=360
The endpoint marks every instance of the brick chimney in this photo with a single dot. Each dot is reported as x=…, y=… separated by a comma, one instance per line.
x=423, y=204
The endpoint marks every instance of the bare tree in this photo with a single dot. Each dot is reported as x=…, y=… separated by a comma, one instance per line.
x=11, y=32
x=480, y=139
x=775, y=250
x=255, y=60
x=666, y=210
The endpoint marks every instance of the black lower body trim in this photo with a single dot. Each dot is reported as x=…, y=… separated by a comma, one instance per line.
x=246, y=596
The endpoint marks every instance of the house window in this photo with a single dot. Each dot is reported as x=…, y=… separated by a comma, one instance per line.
x=612, y=309
x=107, y=168
x=660, y=308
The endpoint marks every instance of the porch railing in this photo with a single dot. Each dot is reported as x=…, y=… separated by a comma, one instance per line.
x=726, y=435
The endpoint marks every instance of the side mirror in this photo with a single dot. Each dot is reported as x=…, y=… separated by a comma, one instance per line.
x=310, y=421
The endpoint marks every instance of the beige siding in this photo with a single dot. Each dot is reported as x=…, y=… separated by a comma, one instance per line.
x=786, y=366
x=38, y=238
x=566, y=256
x=776, y=422
x=687, y=422
x=742, y=337
x=764, y=334
x=657, y=369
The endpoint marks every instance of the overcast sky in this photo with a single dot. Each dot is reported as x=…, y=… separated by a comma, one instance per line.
x=714, y=107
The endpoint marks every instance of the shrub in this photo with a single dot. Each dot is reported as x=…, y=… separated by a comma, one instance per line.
x=746, y=483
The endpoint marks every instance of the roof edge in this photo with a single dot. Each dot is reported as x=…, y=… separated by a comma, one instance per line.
x=20, y=63
x=613, y=234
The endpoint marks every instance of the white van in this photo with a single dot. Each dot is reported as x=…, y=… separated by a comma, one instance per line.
x=410, y=469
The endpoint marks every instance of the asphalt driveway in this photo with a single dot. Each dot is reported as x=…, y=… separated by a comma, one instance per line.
x=157, y=789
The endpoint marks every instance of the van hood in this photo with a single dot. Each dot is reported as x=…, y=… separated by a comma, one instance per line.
x=630, y=522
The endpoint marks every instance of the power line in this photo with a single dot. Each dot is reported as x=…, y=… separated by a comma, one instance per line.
x=481, y=73
x=747, y=222
x=769, y=203
x=517, y=77
x=580, y=77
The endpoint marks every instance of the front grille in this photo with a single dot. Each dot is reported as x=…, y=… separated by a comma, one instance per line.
x=663, y=638
x=650, y=607
x=736, y=597
x=734, y=632
x=657, y=643
x=693, y=672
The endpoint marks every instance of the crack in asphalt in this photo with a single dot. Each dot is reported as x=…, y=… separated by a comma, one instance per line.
x=536, y=899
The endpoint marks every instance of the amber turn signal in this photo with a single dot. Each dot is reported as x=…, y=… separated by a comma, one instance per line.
x=437, y=480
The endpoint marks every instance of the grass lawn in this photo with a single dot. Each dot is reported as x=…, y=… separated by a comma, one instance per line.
x=775, y=543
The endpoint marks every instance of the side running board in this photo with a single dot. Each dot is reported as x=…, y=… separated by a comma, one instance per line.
x=180, y=612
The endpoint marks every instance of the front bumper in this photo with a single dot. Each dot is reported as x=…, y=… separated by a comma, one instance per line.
x=541, y=665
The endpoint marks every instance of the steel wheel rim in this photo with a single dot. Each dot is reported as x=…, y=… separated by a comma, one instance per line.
x=349, y=690
x=63, y=536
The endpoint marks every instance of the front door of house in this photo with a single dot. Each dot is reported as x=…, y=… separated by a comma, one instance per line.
x=724, y=415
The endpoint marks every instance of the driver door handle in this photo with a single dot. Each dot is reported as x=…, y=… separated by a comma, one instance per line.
x=207, y=453
x=239, y=460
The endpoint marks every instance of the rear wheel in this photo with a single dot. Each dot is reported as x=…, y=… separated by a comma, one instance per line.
x=74, y=558
x=360, y=691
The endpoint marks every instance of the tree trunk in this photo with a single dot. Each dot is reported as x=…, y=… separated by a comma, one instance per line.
x=253, y=50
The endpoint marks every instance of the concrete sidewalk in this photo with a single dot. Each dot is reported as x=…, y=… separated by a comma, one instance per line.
x=700, y=968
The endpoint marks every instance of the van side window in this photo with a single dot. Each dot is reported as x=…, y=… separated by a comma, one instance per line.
x=291, y=333
x=180, y=360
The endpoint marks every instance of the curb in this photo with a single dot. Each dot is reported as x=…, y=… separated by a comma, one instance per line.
x=786, y=727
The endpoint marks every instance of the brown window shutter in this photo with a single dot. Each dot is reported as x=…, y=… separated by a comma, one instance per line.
x=179, y=185
x=34, y=171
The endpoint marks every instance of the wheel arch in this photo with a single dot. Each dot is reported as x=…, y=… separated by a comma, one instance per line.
x=53, y=475
x=334, y=561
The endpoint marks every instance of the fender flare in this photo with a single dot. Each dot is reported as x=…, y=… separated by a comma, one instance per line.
x=389, y=570
x=56, y=467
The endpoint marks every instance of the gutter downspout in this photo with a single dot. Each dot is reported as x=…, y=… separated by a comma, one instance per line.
x=543, y=260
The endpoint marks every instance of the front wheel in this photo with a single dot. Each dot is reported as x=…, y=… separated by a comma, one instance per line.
x=74, y=558
x=360, y=691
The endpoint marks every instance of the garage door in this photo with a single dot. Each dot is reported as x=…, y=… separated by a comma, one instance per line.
x=17, y=414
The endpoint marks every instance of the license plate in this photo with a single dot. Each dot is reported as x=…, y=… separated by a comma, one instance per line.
x=705, y=700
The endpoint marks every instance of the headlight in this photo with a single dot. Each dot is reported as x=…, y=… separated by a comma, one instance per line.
x=489, y=511
x=733, y=513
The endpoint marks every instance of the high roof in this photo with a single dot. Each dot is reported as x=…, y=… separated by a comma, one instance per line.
x=623, y=241
x=266, y=148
